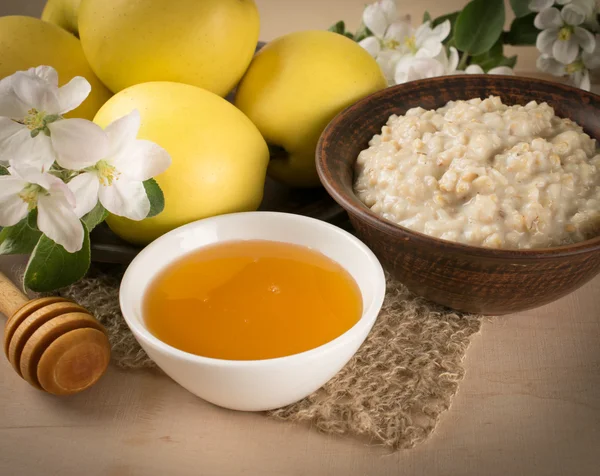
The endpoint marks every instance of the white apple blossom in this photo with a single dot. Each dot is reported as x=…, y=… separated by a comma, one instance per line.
x=562, y=36
x=476, y=69
x=117, y=177
x=578, y=71
x=27, y=188
x=32, y=129
x=388, y=28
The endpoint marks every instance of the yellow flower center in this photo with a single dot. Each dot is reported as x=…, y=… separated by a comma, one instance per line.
x=391, y=44
x=30, y=195
x=411, y=43
x=574, y=67
x=106, y=173
x=34, y=119
x=564, y=34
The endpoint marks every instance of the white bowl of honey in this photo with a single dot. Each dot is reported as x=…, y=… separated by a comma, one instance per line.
x=253, y=311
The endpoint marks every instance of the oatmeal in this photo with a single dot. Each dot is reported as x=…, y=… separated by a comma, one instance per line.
x=483, y=173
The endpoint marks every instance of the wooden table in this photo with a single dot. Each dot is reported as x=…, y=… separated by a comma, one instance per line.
x=529, y=404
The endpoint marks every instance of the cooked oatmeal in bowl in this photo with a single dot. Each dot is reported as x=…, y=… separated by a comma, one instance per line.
x=480, y=172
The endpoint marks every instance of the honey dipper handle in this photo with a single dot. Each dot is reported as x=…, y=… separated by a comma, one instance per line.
x=11, y=299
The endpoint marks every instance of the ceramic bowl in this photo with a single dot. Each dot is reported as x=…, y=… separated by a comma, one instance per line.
x=466, y=278
x=254, y=385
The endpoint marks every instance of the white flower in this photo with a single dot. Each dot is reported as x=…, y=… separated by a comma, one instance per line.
x=476, y=69
x=27, y=188
x=561, y=36
x=410, y=68
x=116, y=179
x=539, y=5
x=388, y=29
x=578, y=71
x=32, y=130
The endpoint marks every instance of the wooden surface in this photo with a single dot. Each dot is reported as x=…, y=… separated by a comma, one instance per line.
x=529, y=404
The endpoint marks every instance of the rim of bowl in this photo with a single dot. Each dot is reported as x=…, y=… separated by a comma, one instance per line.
x=367, y=318
x=354, y=206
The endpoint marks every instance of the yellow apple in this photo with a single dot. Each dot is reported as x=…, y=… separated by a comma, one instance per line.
x=219, y=159
x=205, y=43
x=293, y=88
x=27, y=42
x=62, y=13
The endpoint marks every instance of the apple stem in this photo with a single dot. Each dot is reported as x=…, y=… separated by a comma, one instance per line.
x=277, y=152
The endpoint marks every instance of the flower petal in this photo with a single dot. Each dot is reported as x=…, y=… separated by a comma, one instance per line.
x=46, y=73
x=572, y=15
x=122, y=132
x=592, y=60
x=12, y=207
x=430, y=48
x=398, y=31
x=142, y=160
x=545, y=40
x=85, y=188
x=565, y=51
x=18, y=147
x=375, y=20
x=474, y=69
x=584, y=80
x=539, y=5
x=387, y=60
x=73, y=94
x=452, y=60
x=10, y=105
x=548, y=18
x=57, y=220
x=78, y=143
x=389, y=10
x=371, y=44
x=125, y=197
x=36, y=93
x=585, y=39
x=505, y=70
x=441, y=31
x=549, y=65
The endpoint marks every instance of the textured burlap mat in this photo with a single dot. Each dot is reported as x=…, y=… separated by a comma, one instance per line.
x=392, y=392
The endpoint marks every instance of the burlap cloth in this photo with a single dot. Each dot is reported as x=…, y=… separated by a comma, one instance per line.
x=392, y=392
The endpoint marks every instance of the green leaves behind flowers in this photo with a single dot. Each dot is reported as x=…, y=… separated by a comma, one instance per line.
x=478, y=26
x=18, y=239
x=340, y=27
x=522, y=31
x=3, y=170
x=156, y=197
x=493, y=58
x=51, y=267
x=520, y=7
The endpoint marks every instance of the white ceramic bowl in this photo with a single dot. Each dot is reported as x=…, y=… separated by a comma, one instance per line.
x=254, y=385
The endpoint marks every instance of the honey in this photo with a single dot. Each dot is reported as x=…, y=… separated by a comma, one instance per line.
x=251, y=300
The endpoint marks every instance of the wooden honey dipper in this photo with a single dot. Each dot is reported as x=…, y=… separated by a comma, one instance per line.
x=51, y=342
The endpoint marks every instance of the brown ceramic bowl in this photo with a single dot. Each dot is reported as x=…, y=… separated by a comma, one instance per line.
x=466, y=278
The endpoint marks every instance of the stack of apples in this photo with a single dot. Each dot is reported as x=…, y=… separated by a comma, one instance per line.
x=175, y=61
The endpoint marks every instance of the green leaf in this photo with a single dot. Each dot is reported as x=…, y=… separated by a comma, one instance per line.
x=522, y=31
x=362, y=33
x=3, y=170
x=520, y=7
x=349, y=35
x=339, y=27
x=452, y=17
x=19, y=239
x=51, y=267
x=95, y=216
x=32, y=219
x=479, y=26
x=426, y=17
x=156, y=197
